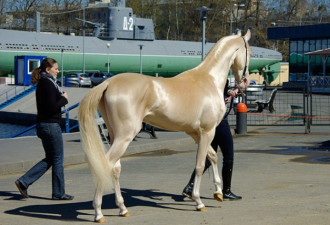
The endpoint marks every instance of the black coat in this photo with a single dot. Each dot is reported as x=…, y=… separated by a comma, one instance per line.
x=49, y=100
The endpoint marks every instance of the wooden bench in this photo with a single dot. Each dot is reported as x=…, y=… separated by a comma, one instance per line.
x=267, y=103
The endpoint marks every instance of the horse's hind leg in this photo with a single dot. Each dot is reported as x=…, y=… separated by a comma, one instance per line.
x=99, y=218
x=213, y=158
x=117, y=149
x=119, y=198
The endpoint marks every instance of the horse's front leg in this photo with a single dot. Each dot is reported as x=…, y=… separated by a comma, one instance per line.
x=213, y=158
x=204, y=143
x=99, y=218
x=119, y=198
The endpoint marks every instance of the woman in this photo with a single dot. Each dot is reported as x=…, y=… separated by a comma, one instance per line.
x=50, y=99
x=224, y=139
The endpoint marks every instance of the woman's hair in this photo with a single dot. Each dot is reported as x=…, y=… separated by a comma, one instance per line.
x=46, y=63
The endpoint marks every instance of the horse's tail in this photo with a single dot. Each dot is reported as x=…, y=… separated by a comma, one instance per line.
x=91, y=138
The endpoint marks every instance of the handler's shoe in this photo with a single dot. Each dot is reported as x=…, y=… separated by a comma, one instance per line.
x=187, y=191
x=22, y=189
x=64, y=197
x=228, y=195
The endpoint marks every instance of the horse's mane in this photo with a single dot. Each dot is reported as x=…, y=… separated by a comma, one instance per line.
x=218, y=46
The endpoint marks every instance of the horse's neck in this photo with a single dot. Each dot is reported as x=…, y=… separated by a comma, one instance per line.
x=218, y=62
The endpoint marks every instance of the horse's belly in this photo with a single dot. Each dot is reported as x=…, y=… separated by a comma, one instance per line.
x=173, y=123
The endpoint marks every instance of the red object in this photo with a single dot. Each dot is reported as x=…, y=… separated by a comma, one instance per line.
x=241, y=107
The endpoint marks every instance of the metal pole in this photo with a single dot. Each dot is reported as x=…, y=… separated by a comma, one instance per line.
x=38, y=22
x=108, y=45
x=83, y=39
x=203, y=11
x=231, y=20
x=62, y=67
x=141, y=58
x=203, y=35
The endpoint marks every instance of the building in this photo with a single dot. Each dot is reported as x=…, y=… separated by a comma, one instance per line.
x=304, y=64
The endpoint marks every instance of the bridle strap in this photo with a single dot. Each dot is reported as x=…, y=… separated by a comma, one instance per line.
x=245, y=67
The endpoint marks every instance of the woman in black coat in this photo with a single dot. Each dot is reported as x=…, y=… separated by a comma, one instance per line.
x=50, y=99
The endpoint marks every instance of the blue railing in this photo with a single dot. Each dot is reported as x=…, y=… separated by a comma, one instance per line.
x=67, y=123
x=14, y=91
x=67, y=118
x=13, y=95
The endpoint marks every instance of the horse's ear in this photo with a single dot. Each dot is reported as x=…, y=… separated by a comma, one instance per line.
x=239, y=33
x=247, y=35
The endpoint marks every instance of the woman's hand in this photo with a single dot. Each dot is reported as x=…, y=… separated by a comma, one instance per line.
x=65, y=95
x=227, y=100
x=232, y=92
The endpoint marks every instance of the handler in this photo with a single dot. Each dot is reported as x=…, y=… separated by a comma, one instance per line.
x=50, y=99
x=224, y=139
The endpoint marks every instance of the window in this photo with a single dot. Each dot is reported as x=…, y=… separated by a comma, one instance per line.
x=306, y=46
x=293, y=46
x=32, y=64
x=312, y=45
x=318, y=44
x=324, y=43
x=300, y=47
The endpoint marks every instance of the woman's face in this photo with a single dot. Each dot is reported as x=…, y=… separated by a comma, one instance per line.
x=53, y=70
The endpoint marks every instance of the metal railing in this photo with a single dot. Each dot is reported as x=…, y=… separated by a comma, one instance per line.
x=5, y=96
x=67, y=122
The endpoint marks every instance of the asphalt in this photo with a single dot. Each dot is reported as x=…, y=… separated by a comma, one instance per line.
x=281, y=172
x=20, y=154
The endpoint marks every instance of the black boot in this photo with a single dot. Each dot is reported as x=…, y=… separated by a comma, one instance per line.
x=187, y=191
x=227, y=170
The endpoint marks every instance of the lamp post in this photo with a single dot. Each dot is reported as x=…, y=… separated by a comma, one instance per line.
x=140, y=58
x=203, y=11
x=231, y=15
x=108, y=46
x=62, y=50
x=83, y=39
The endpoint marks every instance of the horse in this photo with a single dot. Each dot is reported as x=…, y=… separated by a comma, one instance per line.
x=191, y=102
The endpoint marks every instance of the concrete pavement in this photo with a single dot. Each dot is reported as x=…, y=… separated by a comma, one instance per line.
x=20, y=154
x=282, y=174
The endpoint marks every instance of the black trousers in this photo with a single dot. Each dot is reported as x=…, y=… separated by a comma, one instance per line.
x=224, y=139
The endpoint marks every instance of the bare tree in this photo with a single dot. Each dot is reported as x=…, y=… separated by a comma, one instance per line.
x=3, y=4
x=24, y=10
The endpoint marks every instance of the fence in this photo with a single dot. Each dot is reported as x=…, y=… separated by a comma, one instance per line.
x=292, y=108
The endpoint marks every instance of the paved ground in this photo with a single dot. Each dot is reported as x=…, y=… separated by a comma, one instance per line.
x=282, y=174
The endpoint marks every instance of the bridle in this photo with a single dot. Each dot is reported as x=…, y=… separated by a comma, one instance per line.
x=241, y=93
x=245, y=68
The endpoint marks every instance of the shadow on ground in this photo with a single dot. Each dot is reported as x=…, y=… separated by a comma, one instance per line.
x=315, y=153
x=67, y=211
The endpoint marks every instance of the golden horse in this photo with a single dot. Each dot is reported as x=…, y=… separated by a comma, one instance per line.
x=190, y=102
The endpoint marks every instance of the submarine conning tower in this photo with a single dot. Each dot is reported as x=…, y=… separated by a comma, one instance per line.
x=121, y=23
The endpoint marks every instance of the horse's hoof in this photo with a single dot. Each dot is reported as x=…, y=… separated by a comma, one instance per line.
x=101, y=220
x=218, y=197
x=203, y=209
x=125, y=214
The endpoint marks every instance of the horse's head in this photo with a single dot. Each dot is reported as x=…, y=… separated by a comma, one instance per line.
x=240, y=66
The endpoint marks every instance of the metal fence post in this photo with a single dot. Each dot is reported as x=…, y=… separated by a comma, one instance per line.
x=308, y=97
x=67, y=122
x=241, y=118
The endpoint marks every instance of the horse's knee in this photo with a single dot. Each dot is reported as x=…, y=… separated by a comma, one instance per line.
x=199, y=170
